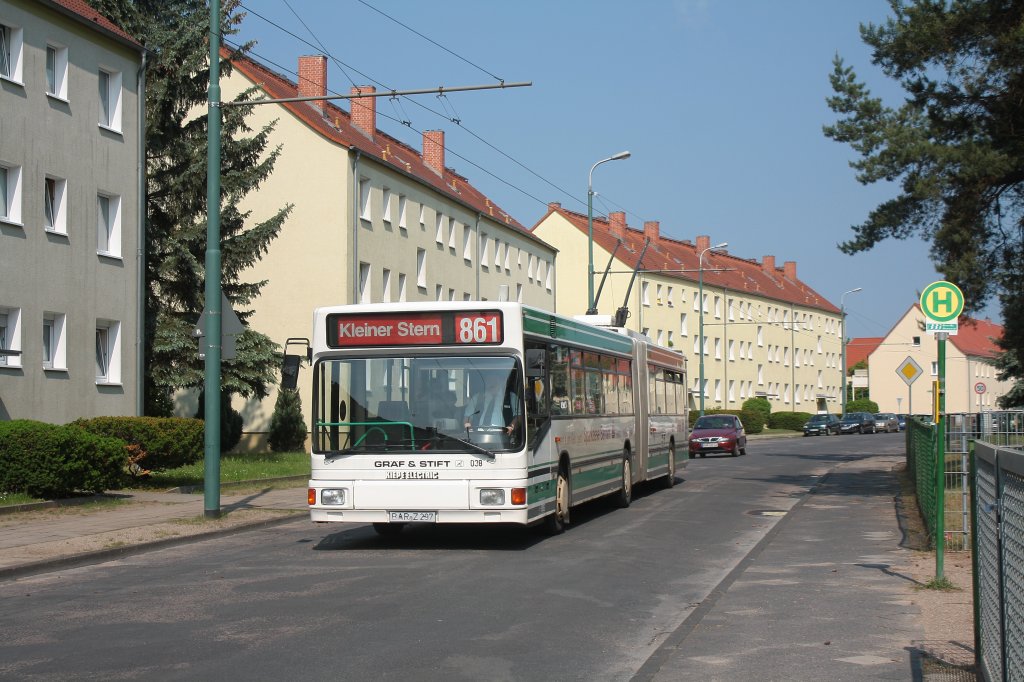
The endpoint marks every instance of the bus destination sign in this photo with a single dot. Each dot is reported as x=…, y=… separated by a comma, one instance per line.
x=434, y=328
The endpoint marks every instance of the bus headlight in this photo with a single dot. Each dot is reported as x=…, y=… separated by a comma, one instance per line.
x=492, y=496
x=333, y=496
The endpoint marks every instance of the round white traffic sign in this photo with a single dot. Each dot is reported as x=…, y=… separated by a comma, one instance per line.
x=980, y=387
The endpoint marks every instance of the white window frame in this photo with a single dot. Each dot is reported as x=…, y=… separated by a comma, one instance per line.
x=485, y=254
x=109, y=99
x=10, y=186
x=57, y=84
x=683, y=328
x=55, y=209
x=385, y=202
x=12, y=46
x=10, y=336
x=439, y=222
x=645, y=293
x=385, y=291
x=421, y=268
x=453, y=225
x=423, y=217
x=108, y=333
x=403, y=210
x=55, y=355
x=108, y=228
x=364, y=200
x=402, y=281
x=365, y=286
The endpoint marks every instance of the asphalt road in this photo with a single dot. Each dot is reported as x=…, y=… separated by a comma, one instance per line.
x=435, y=603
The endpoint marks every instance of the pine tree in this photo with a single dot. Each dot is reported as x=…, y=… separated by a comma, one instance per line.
x=177, y=79
x=287, y=428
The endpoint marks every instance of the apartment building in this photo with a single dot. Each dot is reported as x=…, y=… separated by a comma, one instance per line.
x=766, y=333
x=971, y=382
x=71, y=213
x=374, y=219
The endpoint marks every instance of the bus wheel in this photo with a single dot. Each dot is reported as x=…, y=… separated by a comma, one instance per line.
x=670, y=479
x=388, y=529
x=626, y=493
x=559, y=519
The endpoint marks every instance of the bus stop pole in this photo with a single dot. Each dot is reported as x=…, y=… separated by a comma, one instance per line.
x=940, y=464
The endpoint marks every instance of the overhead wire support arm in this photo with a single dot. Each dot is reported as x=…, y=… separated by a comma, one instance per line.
x=441, y=90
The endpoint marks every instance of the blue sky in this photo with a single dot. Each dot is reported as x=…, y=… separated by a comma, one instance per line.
x=721, y=103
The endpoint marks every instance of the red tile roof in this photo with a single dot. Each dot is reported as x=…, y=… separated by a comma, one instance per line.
x=678, y=259
x=977, y=338
x=335, y=124
x=860, y=348
x=83, y=12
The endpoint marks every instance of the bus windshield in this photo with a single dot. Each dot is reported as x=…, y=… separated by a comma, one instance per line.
x=388, y=404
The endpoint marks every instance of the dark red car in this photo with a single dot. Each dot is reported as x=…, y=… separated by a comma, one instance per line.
x=718, y=433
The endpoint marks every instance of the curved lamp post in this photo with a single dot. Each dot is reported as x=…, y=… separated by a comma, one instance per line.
x=700, y=303
x=591, y=310
x=842, y=342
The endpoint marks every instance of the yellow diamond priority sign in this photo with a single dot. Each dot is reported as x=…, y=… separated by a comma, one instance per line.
x=942, y=303
x=909, y=371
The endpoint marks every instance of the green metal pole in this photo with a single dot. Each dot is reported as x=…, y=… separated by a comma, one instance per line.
x=211, y=445
x=591, y=310
x=700, y=331
x=940, y=464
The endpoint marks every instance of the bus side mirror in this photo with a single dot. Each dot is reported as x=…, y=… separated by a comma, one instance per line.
x=535, y=362
x=290, y=371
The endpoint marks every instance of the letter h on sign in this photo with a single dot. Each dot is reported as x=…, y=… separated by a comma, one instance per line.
x=943, y=299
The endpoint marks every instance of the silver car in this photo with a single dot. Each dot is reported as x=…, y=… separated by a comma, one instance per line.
x=887, y=422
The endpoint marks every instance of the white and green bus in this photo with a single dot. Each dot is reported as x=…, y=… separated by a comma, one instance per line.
x=404, y=428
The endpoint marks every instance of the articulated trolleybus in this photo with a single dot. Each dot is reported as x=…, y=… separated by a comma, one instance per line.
x=480, y=411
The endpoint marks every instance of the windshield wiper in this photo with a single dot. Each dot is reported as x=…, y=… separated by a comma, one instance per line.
x=471, y=445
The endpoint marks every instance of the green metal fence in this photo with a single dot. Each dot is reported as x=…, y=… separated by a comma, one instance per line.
x=921, y=464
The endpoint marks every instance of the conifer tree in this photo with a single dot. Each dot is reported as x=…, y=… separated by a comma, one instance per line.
x=287, y=427
x=177, y=78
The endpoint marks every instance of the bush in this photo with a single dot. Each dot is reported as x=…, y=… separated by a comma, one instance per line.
x=154, y=443
x=50, y=461
x=760, y=406
x=287, y=428
x=230, y=422
x=751, y=419
x=862, y=405
x=792, y=421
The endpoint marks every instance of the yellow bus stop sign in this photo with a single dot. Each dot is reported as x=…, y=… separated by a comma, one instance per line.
x=942, y=301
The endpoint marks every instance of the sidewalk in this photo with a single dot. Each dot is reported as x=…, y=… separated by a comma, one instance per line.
x=115, y=525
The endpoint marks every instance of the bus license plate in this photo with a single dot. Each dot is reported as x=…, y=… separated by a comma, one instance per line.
x=410, y=516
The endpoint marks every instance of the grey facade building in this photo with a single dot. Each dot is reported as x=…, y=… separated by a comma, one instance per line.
x=71, y=208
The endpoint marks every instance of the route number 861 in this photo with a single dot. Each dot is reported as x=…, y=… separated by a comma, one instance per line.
x=479, y=329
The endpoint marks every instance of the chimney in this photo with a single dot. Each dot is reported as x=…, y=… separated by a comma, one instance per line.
x=703, y=242
x=313, y=78
x=554, y=205
x=768, y=264
x=433, y=150
x=617, y=223
x=651, y=230
x=789, y=268
x=364, y=109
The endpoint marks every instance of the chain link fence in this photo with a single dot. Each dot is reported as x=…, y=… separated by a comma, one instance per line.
x=999, y=561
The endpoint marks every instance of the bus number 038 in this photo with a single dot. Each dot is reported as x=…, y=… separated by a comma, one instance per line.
x=479, y=329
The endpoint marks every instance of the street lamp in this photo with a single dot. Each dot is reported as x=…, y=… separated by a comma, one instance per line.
x=591, y=309
x=700, y=303
x=842, y=341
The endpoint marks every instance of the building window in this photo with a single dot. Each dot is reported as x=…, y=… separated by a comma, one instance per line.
x=645, y=293
x=403, y=208
x=108, y=352
x=519, y=293
x=439, y=229
x=421, y=268
x=10, y=194
x=110, y=99
x=916, y=341
x=548, y=283
x=935, y=369
x=55, y=205
x=760, y=336
x=364, y=283
x=423, y=217
x=682, y=325
x=108, y=225
x=386, y=205
x=385, y=295
x=401, y=286
x=54, y=347
x=10, y=336
x=364, y=200
x=57, y=71
x=452, y=230
x=10, y=52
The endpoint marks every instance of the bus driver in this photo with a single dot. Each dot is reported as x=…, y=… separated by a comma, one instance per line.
x=494, y=406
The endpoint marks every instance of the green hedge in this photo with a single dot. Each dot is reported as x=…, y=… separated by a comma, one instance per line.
x=862, y=405
x=153, y=443
x=792, y=421
x=51, y=461
x=752, y=420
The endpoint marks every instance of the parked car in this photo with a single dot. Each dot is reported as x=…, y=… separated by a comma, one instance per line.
x=857, y=422
x=718, y=433
x=902, y=419
x=887, y=422
x=822, y=425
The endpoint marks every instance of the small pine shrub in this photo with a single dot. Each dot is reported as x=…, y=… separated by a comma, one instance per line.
x=792, y=421
x=51, y=461
x=287, y=428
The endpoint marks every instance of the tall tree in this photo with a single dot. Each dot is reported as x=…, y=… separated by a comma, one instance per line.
x=954, y=145
x=177, y=79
